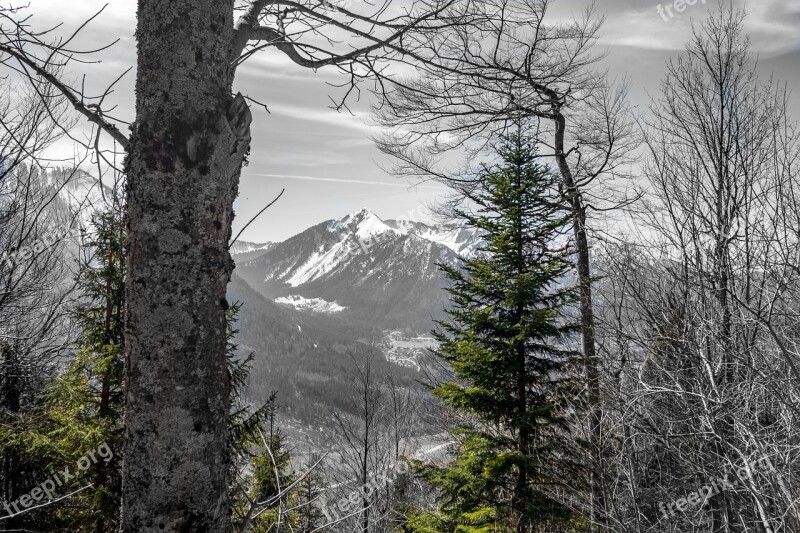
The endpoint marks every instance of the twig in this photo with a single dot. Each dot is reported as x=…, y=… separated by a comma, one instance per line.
x=255, y=217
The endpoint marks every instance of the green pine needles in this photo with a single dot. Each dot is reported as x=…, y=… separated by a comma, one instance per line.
x=80, y=415
x=506, y=341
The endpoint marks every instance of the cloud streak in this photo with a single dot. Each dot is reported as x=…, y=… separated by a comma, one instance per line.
x=344, y=180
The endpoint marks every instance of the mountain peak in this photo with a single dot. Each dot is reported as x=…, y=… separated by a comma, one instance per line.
x=360, y=216
x=363, y=223
x=363, y=213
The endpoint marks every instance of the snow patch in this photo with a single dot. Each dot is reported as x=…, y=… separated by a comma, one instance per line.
x=317, y=305
x=243, y=247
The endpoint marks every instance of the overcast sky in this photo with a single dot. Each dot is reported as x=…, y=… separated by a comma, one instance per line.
x=326, y=161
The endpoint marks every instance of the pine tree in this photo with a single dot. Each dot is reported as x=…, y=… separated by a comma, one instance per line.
x=244, y=424
x=272, y=468
x=99, y=368
x=504, y=340
x=77, y=423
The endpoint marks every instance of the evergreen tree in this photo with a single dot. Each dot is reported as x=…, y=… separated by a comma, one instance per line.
x=244, y=424
x=92, y=386
x=273, y=476
x=77, y=423
x=504, y=340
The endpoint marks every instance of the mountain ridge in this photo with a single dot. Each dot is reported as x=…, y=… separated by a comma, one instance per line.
x=383, y=273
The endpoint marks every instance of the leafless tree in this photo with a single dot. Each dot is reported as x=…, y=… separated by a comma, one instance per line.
x=693, y=321
x=372, y=438
x=38, y=237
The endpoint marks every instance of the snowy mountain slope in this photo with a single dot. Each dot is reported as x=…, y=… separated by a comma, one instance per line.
x=245, y=251
x=243, y=247
x=384, y=273
x=464, y=242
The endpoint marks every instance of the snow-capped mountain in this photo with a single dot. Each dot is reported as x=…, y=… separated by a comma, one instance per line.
x=464, y=242
x=381, y=272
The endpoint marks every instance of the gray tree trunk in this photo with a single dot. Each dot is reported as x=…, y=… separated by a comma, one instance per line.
x=187, y=147
x=591, y=361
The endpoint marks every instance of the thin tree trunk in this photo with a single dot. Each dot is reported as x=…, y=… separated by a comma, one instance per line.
x=587, y=319
x=186, y=150
x=365, y=459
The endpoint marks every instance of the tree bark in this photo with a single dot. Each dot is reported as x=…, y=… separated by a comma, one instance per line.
x=187, y=147
x=589, y=350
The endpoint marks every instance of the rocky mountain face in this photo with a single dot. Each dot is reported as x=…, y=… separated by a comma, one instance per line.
x=382, y=274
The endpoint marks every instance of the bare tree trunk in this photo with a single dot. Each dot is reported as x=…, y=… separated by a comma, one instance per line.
x=587, y=320
x=186, y=151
